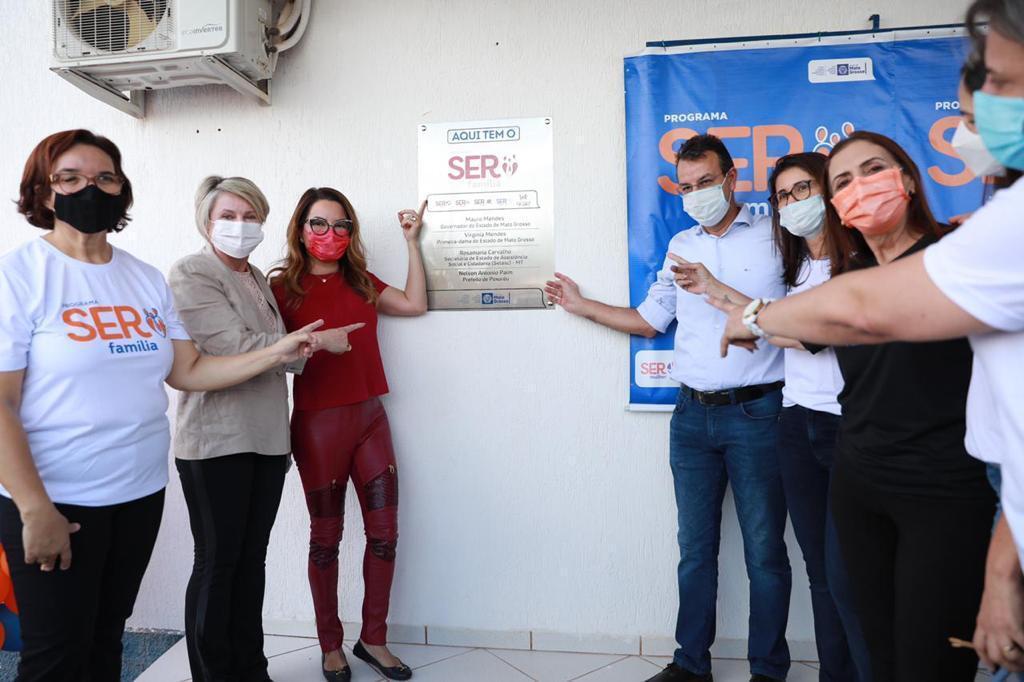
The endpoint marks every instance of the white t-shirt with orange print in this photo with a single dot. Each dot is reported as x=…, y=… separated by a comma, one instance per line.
x=95, y=344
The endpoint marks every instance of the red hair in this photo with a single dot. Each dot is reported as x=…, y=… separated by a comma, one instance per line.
x=35, y=188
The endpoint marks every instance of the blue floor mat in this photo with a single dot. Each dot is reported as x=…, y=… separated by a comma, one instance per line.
x=140, y=650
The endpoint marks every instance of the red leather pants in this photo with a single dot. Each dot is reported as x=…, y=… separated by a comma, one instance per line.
x=330, y=446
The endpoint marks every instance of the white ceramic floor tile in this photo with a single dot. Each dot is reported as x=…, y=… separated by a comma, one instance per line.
x=171, y=667
x=478, y=664
x=730, y=670
x=417, y=655
x=304, y=665
x=275, y=645
x=733, y=670
x=295, y=659
x=550, y=666
x=631, y=669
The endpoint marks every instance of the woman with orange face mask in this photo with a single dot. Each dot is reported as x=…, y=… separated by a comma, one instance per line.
x=912, y=509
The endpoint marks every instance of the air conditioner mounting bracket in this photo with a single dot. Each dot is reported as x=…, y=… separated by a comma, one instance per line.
x=133, y=103
x=238, y=82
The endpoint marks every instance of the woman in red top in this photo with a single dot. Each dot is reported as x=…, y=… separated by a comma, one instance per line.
x=339, y=427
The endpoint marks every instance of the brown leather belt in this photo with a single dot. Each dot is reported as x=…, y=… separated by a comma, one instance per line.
x=732, y=396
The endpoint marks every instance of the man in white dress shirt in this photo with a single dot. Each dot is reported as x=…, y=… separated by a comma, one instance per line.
x=724, y=425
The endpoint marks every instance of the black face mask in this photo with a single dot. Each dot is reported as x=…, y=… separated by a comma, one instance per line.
x=90, y=210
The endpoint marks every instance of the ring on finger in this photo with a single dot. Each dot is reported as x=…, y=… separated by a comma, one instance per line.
x=1010, y=648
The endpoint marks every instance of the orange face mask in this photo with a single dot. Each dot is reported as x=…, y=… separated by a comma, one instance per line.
x=873, y=204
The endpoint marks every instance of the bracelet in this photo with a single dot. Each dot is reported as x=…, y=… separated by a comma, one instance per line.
x=750, y=313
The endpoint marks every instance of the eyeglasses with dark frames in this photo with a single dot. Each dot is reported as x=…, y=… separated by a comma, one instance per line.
x=798, y=192
x=321, y=226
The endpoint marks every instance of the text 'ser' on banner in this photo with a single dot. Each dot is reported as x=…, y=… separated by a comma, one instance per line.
x=767, y=97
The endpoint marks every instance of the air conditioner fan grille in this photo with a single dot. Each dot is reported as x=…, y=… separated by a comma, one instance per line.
x=91, y=27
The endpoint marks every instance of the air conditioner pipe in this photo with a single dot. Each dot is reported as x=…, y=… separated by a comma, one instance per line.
x=290, y=19
x=295, y=37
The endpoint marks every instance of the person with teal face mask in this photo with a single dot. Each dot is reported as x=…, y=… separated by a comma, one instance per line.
x=970, y=283
x=999, y=116
x=967, y=142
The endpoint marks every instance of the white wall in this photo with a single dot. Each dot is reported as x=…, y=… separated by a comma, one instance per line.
x=530, y=498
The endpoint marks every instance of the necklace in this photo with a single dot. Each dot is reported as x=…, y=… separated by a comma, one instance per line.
x=323, y=278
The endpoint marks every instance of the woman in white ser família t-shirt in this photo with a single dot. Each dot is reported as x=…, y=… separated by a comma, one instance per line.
x=88, y=337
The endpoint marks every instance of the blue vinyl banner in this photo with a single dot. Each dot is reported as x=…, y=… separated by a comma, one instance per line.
x=768, y=97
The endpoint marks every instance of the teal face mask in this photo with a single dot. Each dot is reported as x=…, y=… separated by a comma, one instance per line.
x=1000, y=122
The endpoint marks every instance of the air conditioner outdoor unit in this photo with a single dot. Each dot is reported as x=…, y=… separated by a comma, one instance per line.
x=116, y=50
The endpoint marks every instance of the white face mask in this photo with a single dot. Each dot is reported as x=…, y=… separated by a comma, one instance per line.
x=706, y=206
x=974, y=152
x=236, y=238
x=804, y=218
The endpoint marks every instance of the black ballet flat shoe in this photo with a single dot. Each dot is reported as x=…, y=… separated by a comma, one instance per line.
x=343, y=675
x=398, y=672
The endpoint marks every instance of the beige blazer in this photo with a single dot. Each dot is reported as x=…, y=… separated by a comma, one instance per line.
x=222, y=319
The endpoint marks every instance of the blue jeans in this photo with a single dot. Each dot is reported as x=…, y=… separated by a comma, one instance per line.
x=995, y=479
x=711, y=446
x=807, y=444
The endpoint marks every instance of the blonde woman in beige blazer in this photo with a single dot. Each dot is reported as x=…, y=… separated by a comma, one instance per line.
x=231, y=446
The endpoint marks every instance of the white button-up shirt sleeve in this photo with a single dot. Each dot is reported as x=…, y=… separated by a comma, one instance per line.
x=659, y=308
x=743, y=257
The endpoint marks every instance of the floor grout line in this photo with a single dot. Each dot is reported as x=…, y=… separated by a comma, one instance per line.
x=442, y=660
x=617, y=660
x=493, y=652
x=292, y=651
x=529, y=677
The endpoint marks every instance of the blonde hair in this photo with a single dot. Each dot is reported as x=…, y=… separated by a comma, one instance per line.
x=211, y=187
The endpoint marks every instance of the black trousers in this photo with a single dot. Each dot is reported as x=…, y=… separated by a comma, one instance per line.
x=917, y=570
x=232, y=502
x=72, y=621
